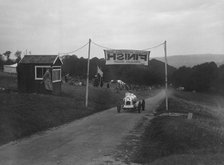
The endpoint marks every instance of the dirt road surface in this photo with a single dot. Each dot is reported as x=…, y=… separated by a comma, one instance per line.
x=90, y=140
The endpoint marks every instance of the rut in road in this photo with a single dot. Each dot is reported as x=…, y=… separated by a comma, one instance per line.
x=80, y=142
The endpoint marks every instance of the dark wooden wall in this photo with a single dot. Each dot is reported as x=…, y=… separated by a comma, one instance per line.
x=27, y=83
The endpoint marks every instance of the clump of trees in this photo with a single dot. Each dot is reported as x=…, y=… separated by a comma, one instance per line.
x=6, y=60
x=202, y=78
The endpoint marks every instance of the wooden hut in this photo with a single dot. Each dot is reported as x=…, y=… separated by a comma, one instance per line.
x=32, y=69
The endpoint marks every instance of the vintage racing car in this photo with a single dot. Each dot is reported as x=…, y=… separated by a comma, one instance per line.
x=130, y=102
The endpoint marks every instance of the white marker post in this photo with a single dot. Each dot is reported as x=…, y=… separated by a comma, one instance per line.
x=87, y=79
x=165, y=51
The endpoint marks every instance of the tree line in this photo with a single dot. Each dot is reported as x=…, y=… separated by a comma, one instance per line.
x=132, y=74
x=202, y=78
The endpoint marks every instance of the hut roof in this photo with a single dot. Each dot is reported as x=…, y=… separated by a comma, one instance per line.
x=40, y=59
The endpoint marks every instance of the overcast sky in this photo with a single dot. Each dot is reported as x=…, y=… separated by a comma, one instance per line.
x=53, y=26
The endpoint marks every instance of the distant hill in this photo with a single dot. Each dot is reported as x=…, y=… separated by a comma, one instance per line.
x=192, y=60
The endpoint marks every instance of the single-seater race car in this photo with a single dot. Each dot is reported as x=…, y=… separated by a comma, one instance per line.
x=130, y=102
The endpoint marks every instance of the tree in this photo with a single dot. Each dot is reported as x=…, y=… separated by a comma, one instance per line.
x=18, y=55
x=181, y=77
x=218, y=84
x=1, y=62
x=7, y=54
x=203, y=76
x=199, y=78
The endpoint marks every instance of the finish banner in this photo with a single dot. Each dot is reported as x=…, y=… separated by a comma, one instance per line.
x=134, y=57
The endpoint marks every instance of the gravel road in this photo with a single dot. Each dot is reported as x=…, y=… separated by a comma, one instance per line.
x=85, y=141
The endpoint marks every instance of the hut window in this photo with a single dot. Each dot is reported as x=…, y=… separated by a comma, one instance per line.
x=56, y=75
x=39, y=72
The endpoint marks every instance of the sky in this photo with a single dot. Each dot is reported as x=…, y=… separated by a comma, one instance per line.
x=56, y=26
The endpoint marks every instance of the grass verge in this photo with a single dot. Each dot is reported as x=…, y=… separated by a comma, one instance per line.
x=23, y=114
x=177, y=140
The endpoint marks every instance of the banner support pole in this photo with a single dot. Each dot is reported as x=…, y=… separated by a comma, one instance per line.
x=87, y=77
x=166, y=92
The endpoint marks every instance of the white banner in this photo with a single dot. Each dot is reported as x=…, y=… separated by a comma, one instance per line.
x=134, y=57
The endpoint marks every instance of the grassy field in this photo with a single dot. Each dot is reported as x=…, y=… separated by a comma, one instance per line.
x=202, y=98
x=8, y=81
x=177, y=140
x=23, y=114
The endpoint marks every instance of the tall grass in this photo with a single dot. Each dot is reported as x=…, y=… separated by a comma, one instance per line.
x=8, y=81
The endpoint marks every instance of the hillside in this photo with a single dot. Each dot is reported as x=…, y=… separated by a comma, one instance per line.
x=193, y=59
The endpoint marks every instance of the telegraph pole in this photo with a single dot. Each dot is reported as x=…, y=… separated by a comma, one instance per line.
x=87, y=79
x=165, y=51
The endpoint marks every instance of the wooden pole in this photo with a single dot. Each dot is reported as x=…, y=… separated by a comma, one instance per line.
x=165, y=51
x=87, y=79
